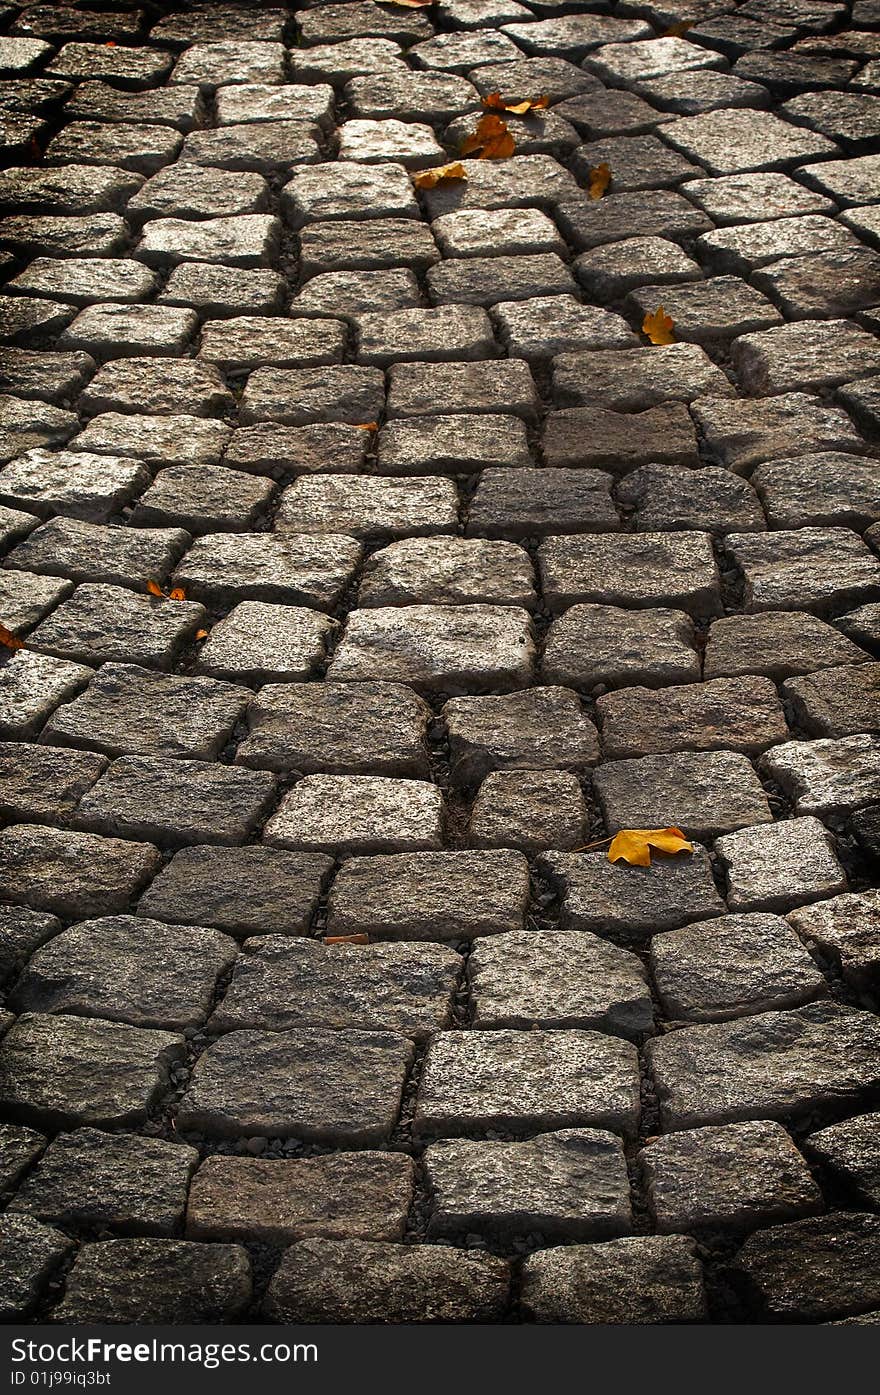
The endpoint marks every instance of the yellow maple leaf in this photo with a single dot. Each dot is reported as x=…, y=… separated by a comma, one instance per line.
x=634, y=844
x=441, y=174
x=659, y=327
x=495, y=102
x=491, y=140
x=600, y=179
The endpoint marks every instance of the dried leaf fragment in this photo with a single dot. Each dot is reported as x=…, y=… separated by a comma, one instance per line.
x=367, y=426
x=155, y=589
x=495, y=102
x=201, y=634
x=346, y=939
x=10, y=640
x=491, y=139
x=441, y=174
x=659, y=327
x=599, y=180
x=634, y=845
x=177, y=594
x=677, y=31
x=409, y=4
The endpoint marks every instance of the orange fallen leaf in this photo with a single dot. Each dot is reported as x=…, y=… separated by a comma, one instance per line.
x=155, y=589
x=367, y=425
x=111, y=43
x=178, y=594
x=409, y=4
x=496, y=102
x=491, y=139
x=10, y=640
x=346, y=939
x=600, y=179
x=634, y=845
x=658, y=327
x=201, y=634
x=441, y=174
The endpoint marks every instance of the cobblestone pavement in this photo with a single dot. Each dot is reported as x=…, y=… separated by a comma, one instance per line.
x=369, y=562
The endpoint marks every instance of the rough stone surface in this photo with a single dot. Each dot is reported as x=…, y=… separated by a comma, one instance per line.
x=774, y=866
x=156, y=1281
x=635, y=1280
x=610, y=899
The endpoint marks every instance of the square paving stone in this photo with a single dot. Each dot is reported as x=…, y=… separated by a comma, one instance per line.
x=637, y=162
x=320, y=446
x=156, y=1281
x=488, y=280
x=129, y=67
x=540, y=327
x=675, y=497
x=75, y=189
x=19, y=1148
x=213, y=64
x=622, y=63
x=837, y=701
x=530, y=810
x=630, y=380
x=176, y=802
x=643, y=570
x=366, y=245
x=355, y=1281
x=598, y=644
x=30, y=1254
x=183, y=107
x=368, y=506
x=205, y=498
x=430, y=895
x=734, y=714
x=276, y=1085
x=140, y=148
x=754, y=198
x=439, y=649
x=417, y=389
x=862, y=400
x=689, y=94
x=733, y=1177
x=338, y=728
x=93, y=234
x=707, y=312
x=225, y=568
x=817, y=569
x=778, y=644
x=336, y=1196
x=122, y=1183
x=523, y=979
x=830, y=283
x=774, y=1066
x=702, y=793
x=72, y=874
x=242, y=890
x=348, y=295
x=737, y=141
x=622, y=440
x=32, y=373
x=608, y=272
x=533, y=502
x=605, y=112
x=249, y=341
x=784, y=865
x=249, y=240
x=817, y=1268
x=827, y=777
x=806, y=354
x=345, y=814
x=444, y=332
x=603, y=897
x=26, y=425
x=541, y=728
x=408, y=143
x=756, y=247
x=527, y=1081
x=32, y=319
x=72, y=482
x=453, y=444
x=58, y=1071
x=569, y=1185
x=100, y=622
x=848, y=182
x=529, y=181
x=14, y=525
x=259, y=101
x=129, y=970
x=281, y=983
x=637, y=1280
x=461, y=52
x=846, y=929
x=348, y=190
x=860, y=626
x=128, y=385
x=448, y=571
x=31, y=687
x=194, y=716
x=732, y=966
x=824, y=488
x=263, y=643
x=44, y=783
x=851, y=1152
x=21, y=932
x=297, y=396
x=266, y=147
x=188, y=190
x=223, y=292
x=117, y=331
x=740, y=433
x=25, y=598
x=169, y=440
x=84, y=281
x=496, y=232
